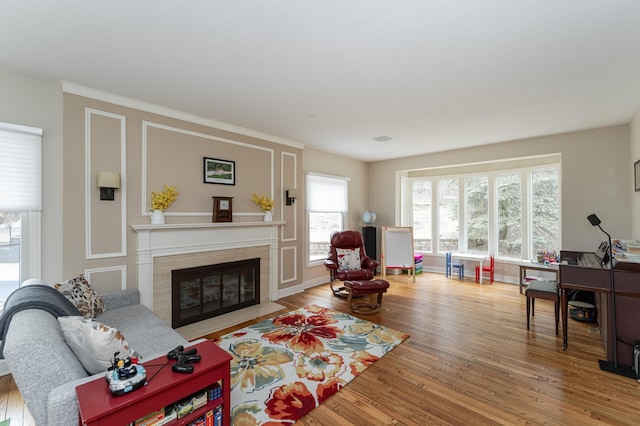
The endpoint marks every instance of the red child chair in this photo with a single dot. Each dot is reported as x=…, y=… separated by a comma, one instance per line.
x=486, y=270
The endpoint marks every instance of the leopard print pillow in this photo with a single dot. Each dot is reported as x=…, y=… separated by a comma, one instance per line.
x=80, y=293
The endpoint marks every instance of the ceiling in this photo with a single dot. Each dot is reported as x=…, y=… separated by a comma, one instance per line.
x=430, y=75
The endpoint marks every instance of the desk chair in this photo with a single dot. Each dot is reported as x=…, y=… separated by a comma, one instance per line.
x=450, y=266
x=486, y=270
x=542, y=290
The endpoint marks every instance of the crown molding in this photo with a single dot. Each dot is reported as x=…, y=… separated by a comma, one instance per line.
x=76, y=89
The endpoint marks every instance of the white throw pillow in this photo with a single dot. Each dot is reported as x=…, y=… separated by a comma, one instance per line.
x=94, y=343
x=348, y=259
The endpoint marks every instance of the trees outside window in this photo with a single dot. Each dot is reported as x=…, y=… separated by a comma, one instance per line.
x=545, y=209
x=477, y=211
x=422, y=216
x=448, y=215
x=509, y=194
x=512, y=214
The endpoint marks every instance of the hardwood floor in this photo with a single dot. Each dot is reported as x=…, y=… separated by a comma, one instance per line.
x=469, y=360
x=11, y=404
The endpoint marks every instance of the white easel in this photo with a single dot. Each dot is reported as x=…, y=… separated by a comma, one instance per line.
x=397, y=249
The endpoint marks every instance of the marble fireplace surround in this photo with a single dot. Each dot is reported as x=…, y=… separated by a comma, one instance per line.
x=162, y=248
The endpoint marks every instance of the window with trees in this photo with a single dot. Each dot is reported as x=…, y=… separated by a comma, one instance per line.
x=509, y=197
x=422, y=215
x=545, y=210
x=512, y=214
x=477, y=209
x=448, y=222
x=327, y=203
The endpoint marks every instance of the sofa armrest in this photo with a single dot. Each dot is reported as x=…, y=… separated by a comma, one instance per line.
x=369, y=263
x=330, y=264
x=62, y=403
x=118, y=299
x=39, y=359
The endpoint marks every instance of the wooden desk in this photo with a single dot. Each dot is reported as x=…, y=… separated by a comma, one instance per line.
x=468, y=256
x=531, y=266
x=98, y=407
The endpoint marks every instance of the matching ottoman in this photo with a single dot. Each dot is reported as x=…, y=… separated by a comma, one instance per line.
x=360, y=288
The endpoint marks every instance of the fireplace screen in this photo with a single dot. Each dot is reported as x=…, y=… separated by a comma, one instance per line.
x=208, y=291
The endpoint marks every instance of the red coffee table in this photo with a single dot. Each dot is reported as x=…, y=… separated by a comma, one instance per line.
x=99, y=407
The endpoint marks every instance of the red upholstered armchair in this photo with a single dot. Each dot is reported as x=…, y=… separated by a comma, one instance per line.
x=347, y=260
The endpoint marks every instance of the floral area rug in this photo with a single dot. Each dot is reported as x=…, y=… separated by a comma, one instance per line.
x=285, y=366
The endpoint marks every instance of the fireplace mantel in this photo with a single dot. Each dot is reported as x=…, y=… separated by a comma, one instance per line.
x=185, y=238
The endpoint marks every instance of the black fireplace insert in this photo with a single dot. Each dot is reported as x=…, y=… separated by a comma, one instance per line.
x=207, y=291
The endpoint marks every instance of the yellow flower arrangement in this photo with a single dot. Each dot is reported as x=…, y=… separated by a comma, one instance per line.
x=265, y=203
x=162, y=200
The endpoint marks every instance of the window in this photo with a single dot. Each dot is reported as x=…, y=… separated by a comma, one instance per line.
x=545, y=211
x=511, y=213
x=448, y=215
x=20, y=204
x=421, y=214
x=509, y=194
x=477, y=210
x=327, y=203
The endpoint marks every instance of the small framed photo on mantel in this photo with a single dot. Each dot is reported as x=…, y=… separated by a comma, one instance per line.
x=219, y=171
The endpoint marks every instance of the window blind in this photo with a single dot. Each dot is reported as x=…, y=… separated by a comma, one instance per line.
x=327, y=193
x=20, y=168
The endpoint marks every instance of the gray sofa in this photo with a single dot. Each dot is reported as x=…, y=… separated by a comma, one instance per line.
x=47, y=371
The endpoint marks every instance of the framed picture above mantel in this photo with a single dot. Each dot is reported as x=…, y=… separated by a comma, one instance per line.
x=218, y=171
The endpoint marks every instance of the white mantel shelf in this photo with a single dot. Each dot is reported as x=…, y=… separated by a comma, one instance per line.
x=168, y=226
x=184, y=238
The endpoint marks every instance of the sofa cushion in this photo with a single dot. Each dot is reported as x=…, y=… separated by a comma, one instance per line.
x=94, y=343
x=145, y=331
x=79, y=292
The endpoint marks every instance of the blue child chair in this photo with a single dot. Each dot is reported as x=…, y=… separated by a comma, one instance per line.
x=450, y=266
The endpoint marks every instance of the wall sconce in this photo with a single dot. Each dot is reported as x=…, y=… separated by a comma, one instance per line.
x=290, y=197
x=108, y=183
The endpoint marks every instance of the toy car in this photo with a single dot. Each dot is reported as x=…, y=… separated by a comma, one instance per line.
x=125, y=375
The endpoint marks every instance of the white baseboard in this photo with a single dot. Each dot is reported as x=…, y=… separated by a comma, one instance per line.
x=315, y=282
x=290, y=291
x=502, y=278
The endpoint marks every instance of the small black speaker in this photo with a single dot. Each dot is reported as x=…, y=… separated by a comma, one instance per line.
x=370, y=245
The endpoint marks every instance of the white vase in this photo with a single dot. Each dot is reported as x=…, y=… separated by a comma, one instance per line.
x=268, y=216
x=157, y=217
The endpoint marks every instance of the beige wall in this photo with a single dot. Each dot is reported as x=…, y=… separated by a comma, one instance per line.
x=150, y=150
x=635, y=196
x=30, y=102
x=595, y=178
x=357, y=171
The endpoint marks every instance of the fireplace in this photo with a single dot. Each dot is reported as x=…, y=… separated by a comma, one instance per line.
x=204, y=292
x=164, y=248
